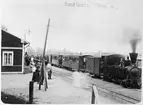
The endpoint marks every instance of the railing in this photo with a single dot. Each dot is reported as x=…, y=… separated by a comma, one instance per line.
x=95, y=96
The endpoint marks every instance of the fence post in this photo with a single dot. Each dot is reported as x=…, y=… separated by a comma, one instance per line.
x=31, y=83
x=93, y=96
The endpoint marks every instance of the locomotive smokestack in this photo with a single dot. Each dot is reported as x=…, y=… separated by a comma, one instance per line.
x=133, y=57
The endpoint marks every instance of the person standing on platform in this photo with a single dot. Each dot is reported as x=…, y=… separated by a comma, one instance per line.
x=46, y=68
x=32, y=66
x=36, y=73
x=49, y=70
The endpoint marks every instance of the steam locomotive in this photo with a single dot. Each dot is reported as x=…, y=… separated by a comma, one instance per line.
x=114, y=68
x=121, y=71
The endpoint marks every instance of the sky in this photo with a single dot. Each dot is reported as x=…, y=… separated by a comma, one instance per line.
x=77, y=25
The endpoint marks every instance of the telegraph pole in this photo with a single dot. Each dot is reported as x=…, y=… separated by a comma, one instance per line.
x=43, y=73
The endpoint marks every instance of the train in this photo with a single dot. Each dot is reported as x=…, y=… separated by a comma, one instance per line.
x=113, y=68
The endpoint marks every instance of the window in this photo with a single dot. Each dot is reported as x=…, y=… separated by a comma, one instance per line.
x=7, y=58
x=74, y=59
x=84, y=59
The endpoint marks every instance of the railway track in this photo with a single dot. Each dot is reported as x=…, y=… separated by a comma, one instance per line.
x=67, y=75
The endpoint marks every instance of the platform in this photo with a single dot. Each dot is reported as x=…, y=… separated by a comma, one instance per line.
x=125, y=95
x=61, y=92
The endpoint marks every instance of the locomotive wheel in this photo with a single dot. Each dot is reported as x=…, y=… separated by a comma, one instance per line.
x=125, y=83
x=116, y=80
x=138, y=83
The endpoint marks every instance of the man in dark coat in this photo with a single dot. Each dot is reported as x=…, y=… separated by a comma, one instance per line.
x=36, y=74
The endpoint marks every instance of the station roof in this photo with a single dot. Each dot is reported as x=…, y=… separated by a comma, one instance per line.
x=10, y=40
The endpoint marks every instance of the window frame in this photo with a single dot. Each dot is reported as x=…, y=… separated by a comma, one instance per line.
x=3, y=64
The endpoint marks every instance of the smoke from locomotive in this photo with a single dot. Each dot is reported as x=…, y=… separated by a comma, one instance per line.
x=133, y=37
x=136, y=38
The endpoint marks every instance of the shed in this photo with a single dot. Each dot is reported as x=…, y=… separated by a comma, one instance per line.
x=12, y=53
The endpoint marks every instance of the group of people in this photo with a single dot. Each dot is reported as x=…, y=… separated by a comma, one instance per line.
x=37, y=73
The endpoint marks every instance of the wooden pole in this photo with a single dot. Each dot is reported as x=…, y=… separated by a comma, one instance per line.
x=43, y=74
x=93, y=96
x=31, y=85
